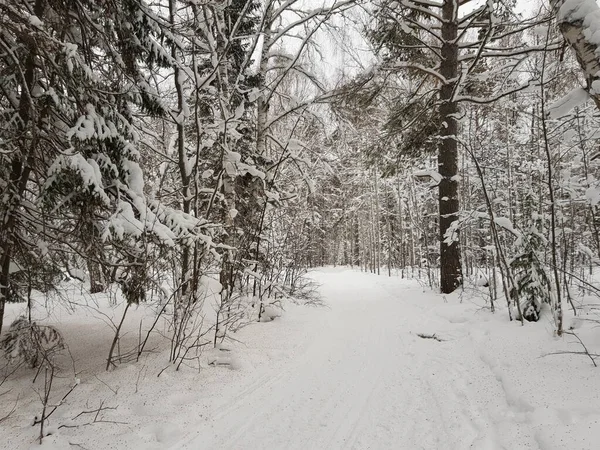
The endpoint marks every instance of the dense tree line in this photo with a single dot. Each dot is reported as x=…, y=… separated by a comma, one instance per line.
x=152, y=146
x=491, y=159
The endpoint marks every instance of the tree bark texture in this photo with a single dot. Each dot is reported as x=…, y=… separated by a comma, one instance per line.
x=450, y=257
x=572, y=24
x=182, y=158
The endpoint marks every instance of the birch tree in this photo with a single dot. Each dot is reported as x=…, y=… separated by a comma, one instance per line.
x=578, y=23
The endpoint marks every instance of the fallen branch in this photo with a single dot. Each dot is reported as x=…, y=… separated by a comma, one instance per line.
x=430, y=336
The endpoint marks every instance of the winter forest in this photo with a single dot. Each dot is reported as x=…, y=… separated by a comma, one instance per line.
x=316, y=224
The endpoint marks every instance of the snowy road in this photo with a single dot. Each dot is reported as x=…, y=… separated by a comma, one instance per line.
x=361, y=378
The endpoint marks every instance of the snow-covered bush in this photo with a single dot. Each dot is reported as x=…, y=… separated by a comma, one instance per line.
x=269, y=312
x=30, y=342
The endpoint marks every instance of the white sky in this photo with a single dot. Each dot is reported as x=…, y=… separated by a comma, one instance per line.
x=346, y=51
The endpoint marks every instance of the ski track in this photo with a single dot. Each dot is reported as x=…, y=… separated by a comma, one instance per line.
x=364, y=380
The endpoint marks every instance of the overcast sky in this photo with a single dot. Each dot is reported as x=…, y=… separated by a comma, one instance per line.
x=344, y=49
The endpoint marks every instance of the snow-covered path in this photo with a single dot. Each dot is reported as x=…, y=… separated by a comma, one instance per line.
x=360, y=377
x=356, y=383
x=352, y=375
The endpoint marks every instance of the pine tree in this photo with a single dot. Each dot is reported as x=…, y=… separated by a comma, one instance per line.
x=70, y=172
x=534, y=286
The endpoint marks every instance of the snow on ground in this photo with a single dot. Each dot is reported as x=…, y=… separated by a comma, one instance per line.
x=353, y=375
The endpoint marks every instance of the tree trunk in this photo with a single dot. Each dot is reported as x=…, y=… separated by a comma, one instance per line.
x=571, y=24
x=356, y=256
x=182, y=158
x=262, y=102
x=228, y=167
x=377, y=225
x=450, y=259
x=96, y=280
x=18, y=180
x=402, y=254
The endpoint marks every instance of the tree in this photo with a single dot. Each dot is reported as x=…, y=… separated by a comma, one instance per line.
x=445, y=51
x=450, y=259
x=576, y=21
x=70, y=177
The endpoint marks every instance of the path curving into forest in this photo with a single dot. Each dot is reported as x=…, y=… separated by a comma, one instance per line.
x=360, y=377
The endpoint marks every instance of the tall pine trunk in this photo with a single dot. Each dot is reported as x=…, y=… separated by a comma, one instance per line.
x=450, y=258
